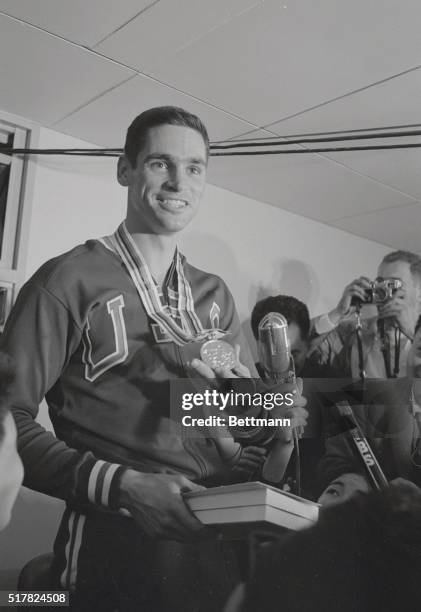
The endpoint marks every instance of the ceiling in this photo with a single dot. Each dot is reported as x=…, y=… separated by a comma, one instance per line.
x=255, y=67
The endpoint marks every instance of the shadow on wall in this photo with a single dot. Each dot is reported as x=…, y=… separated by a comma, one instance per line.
x=207, y=252
x=214, y=255
x=31, y=532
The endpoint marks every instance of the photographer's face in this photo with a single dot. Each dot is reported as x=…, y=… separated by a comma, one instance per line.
x=409, y=293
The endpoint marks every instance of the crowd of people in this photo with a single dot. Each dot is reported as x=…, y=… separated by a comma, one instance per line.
x=101, y=331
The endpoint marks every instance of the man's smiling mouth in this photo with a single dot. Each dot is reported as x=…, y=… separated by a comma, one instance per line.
x=172, y=203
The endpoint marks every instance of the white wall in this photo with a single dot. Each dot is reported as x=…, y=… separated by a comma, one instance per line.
x=258, y=250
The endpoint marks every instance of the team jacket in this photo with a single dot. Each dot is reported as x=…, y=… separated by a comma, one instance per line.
x=80, y=337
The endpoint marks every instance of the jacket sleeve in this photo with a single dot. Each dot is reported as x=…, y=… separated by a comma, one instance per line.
x=40, y=335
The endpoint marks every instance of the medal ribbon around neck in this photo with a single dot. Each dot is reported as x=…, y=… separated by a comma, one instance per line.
x=140, y=274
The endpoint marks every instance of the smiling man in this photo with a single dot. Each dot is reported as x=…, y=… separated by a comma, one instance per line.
x=100, y=332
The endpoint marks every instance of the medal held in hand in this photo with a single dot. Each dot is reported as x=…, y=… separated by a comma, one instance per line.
x=218, y=354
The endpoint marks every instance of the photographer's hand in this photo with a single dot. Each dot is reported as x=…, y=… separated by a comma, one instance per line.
x=356, y=289
x=402, y=311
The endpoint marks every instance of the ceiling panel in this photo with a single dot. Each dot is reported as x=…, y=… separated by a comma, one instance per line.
x=105, y=120
x=84, y=22
x=261, y=135
x=305, y=184
x=168, y=27
x=36, y=85
x=398, y=168
x=399, y=228
x=283, y=57
x=394, y=102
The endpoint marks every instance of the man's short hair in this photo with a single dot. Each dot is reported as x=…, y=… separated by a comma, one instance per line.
x=6, y=379
x=292, y=309
x=364, y=554
x=412, y=259
x=154, y=117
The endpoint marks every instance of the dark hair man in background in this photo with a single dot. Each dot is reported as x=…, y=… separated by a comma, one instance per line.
x=100, y=332
x=11, y=469
x=386, y=338
x=299, y=326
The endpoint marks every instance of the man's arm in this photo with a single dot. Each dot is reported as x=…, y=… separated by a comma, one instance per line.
x=327, y=322
x=40, y=335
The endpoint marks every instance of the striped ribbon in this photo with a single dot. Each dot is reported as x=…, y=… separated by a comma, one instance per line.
x=192, y=329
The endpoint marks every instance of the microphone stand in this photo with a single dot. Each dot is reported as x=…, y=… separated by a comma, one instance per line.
x=281, y=451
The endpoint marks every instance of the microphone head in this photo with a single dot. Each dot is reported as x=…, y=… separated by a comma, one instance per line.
x=274, y=346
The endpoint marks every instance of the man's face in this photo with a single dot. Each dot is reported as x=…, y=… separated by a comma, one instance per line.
x=167, y=183
x=11, y=471
x=298, y=346
x=401, y=270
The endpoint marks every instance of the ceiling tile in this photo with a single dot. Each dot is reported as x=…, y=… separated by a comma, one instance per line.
x=305, y=184
x=168, y=27
x=49, y=77
x=106, y=119
x=261, y=135
x=80, y=21
x=271, y=62
x=398, y=168
x=398, y=227
x=394, y=102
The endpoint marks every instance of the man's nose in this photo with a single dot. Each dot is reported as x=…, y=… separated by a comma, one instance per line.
x=175, y=178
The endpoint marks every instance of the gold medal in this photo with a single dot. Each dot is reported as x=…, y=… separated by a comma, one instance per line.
x=218, y=354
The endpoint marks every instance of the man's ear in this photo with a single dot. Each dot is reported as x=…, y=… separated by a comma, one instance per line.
x=124, y=169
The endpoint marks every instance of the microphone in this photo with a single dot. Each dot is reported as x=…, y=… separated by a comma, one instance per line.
x=362, y=447
x=278, y=365
x=274, y=349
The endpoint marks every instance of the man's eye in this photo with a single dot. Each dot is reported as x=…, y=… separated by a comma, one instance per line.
x=332, y=491
x=195, y=170
x=159, y=165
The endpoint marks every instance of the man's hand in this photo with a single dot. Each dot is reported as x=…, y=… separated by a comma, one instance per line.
x=156, y=504
x=343, y=488
x=250, y=459
x=356, y=289
x=402, y=311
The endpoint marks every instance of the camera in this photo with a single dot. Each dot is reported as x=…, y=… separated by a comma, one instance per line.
x=380, y=291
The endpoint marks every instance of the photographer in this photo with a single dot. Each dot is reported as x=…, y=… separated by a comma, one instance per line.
x=381, y=348
x=389, y=415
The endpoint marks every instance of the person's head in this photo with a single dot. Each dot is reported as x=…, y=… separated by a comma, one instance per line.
x=406, y=267
x=298, y=318
x=364, y=554
x=164, y=167
x=11, y=469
